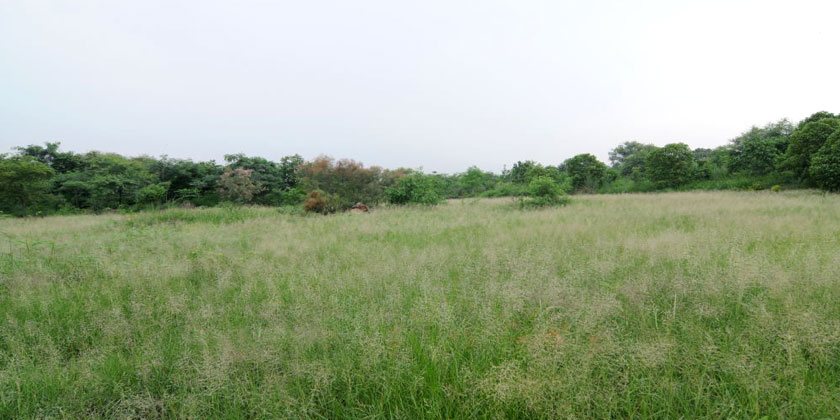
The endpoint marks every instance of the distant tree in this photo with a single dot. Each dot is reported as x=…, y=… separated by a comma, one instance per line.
x=671, y=165
x=586, y=172
x=519, y=171
x=196, y=182
x=805, y=141
x=105, y=180
x=153, y=193
x=236, y=185
x=701, y=158
x=825, y=164
x=817, y=116
x=289, y=167
x=758, y=156
x=275, y=178
x=49, y=155
x=758, y=150
x=629, y=158
x=23, y=182
x=345, y=181
x=550, y=171
x=475, y=181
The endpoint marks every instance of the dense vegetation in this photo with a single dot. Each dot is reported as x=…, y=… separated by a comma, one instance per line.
x=44, y=179
x=689, y=305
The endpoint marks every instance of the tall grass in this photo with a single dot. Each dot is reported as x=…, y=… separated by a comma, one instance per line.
x=680, y=305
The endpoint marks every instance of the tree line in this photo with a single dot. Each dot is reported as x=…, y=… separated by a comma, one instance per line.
x=39, y=179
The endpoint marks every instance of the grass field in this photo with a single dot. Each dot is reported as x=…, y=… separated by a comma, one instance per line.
x=679, y=305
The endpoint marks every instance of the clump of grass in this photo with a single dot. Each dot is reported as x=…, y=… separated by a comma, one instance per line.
x=677, y=305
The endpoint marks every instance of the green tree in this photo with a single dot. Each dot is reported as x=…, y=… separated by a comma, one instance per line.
x=23, y=183
x=196, y=182
x=518, y=173
x=825, y=164
x=153, y=193
x=105, y=180
x=49, y=155
x=758, y=150
x=475, y=181
x=275, y=178
x=817, y=116
x=670, y=166
x=629, y=158
x=805, y=141
x=586, y=172
x=236, y=185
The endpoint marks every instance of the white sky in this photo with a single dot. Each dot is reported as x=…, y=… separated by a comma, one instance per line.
x=438, y=84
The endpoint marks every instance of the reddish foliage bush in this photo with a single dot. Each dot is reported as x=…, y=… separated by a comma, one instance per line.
x=343, y=182
x=316, y=202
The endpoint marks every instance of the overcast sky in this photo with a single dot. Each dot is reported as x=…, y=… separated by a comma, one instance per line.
x=438, y=84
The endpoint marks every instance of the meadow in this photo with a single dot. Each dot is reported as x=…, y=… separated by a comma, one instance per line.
x=694, y=305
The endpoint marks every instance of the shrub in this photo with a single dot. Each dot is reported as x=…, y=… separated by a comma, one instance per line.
x=506, y=189
x=278, y=197
x=414, y=189
x=153, y=193
x=544, y=191
x=316, y=202
x=743, y=182
x=544, y=187
x=345, y=181
x=293, y=196
x=776, y=188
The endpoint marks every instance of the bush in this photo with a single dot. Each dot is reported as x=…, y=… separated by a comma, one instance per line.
x=290, y=197
x=776, y=188
x=414, y=189
x=507, y=189
x=316, y=202
x=544, y=187
x=153, y=194
x=544, y=191
x=345, y=182
x=743, y=182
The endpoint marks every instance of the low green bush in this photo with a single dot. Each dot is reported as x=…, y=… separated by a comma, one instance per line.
x=544, y=191
x=414, y=189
